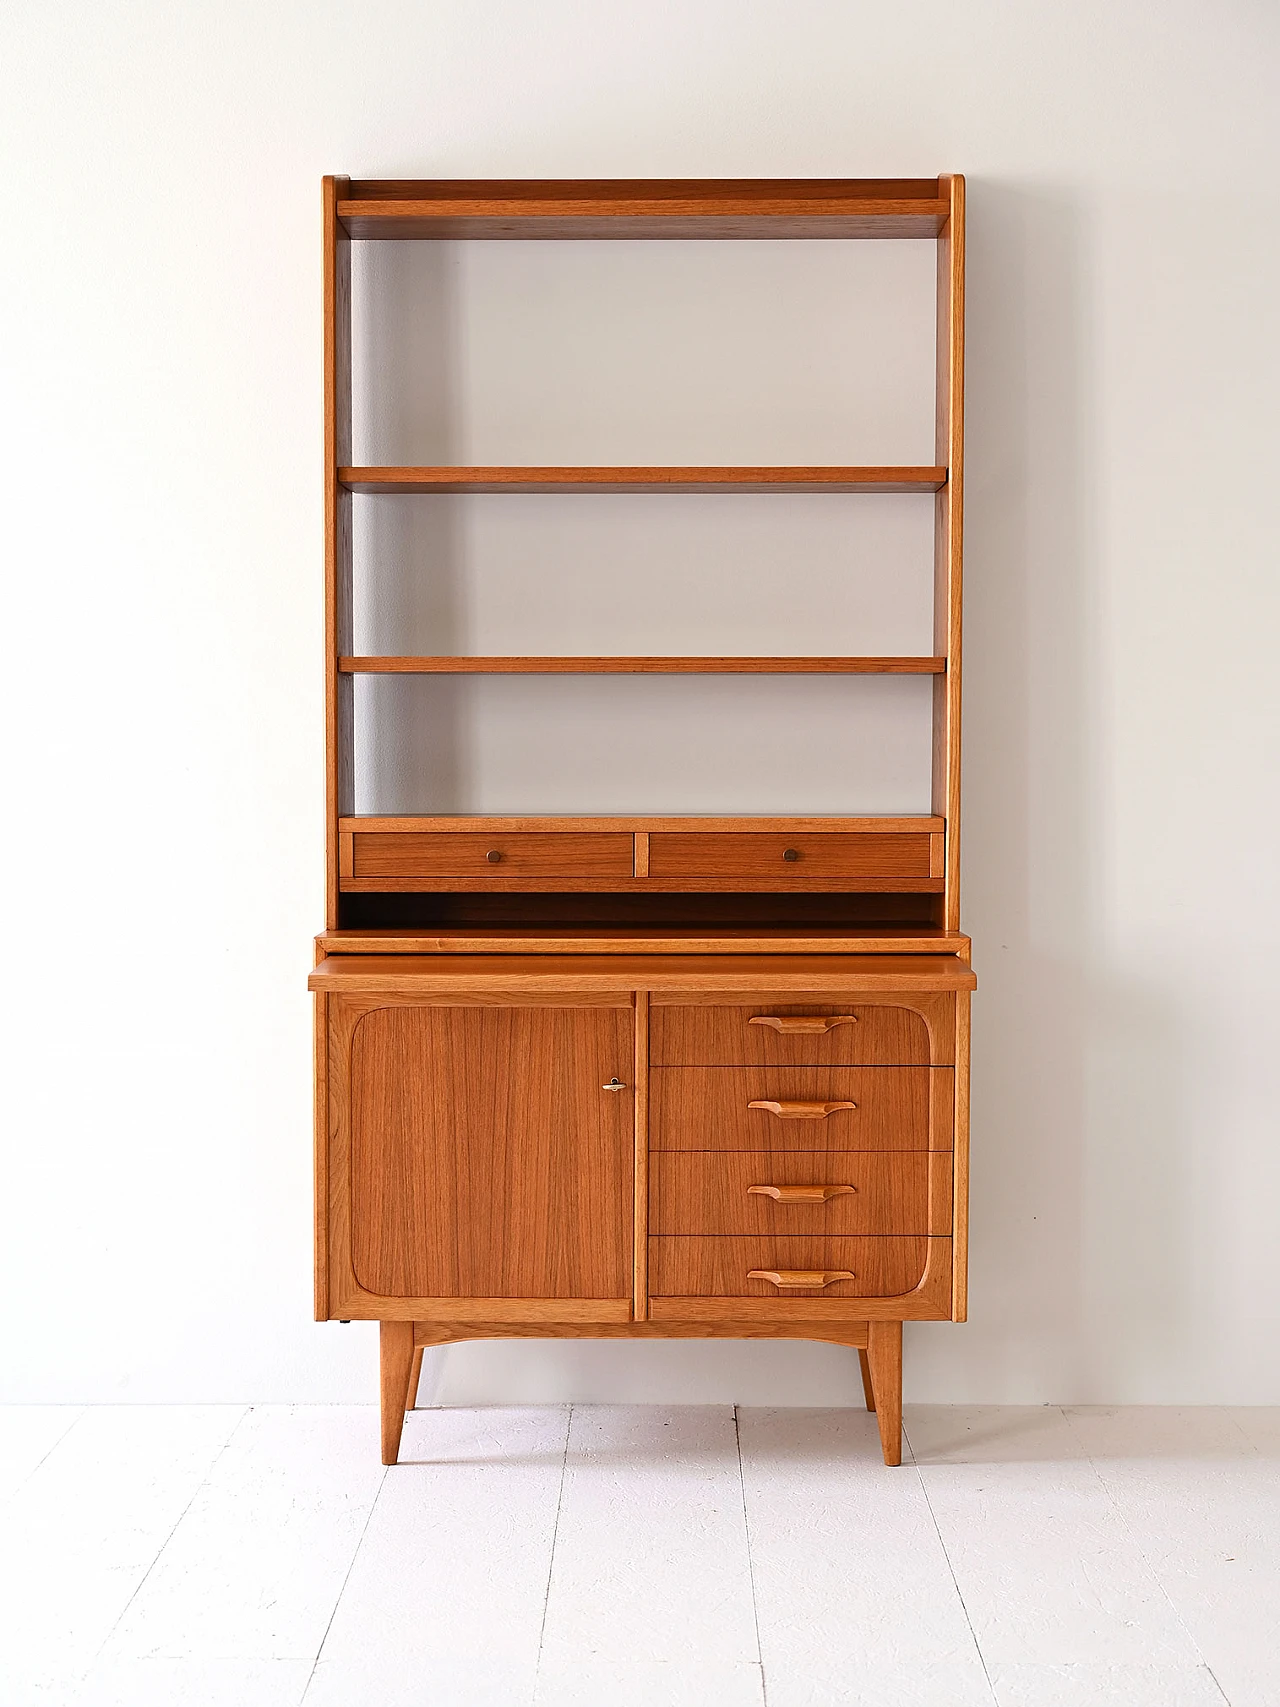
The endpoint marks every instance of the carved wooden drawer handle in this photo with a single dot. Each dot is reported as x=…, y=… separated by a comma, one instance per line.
x=784, y=1277
x=787, y=1023
x=800, y=1193
x=802, y=1110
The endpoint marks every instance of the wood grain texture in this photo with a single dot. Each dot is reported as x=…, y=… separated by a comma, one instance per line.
x=792, y=982
x=884, y=1360
x=843, y=1332
x=883, y=1267
x=709, y=1108
x=949, y=537
x=389, y=481
x=868, y=1391
x=629, y=824
x=783, y=856
x=635, y=666
x=463, y=940
x=486, y=1160
x=693, y=1192
x=960, y=1213
x=320, y=1158
x=706, y=1036
x=519, y=853
x=415, y=1376
x=929, y=1301
x=339, y=705
x=395, y=1357
x=640, y=1207
x=567, y=209
x=498, y=884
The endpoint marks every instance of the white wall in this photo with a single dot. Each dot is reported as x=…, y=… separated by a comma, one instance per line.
x=161, y=296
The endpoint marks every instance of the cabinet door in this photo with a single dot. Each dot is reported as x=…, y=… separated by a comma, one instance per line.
x=487, y=1159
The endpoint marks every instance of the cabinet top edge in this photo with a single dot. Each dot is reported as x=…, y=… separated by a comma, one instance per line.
x=403, y=974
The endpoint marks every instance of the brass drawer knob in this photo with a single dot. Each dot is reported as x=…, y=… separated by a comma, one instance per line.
x=494, y=857
x=791, y=855
x=809, y=1277
x=789, y=1023
x=801, y=1110
x=800, y=1193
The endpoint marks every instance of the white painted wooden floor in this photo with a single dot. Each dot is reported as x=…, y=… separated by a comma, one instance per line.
x=639, y=1557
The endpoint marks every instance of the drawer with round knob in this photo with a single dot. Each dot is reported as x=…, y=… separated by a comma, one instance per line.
x=492, y=854
x=792, y=856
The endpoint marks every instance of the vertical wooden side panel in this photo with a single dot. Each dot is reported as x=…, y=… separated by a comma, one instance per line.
x=960, y=1164
x=948, y=538
x=321, y=1164
x=339, y=689
x=641, y=1249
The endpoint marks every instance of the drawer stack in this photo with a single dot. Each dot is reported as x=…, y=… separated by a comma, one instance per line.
x=796, y=1150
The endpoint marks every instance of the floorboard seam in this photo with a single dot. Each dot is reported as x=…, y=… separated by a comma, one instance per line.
x=337, y=1599
x=160, y=1551
x=551, y=1560
x=1141, y=1552
x=977, y=1645
x=751, y=1565
x=82, y=1412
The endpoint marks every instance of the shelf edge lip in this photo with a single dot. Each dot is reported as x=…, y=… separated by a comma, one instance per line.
x=786, y=201
x=550, y=477
x=744, y=823
x=449, y=665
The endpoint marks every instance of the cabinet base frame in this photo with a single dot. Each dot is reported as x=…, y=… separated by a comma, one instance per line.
x=878, y=1344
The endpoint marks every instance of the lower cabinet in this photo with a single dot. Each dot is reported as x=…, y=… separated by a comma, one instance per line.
x=624, y=1155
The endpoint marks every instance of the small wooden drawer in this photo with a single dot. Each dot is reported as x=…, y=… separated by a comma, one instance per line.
x=780, y=858
x=800, y=1108
x=496, y=853
x=803, y=1267
x=810, y=1034
x=824, y=1192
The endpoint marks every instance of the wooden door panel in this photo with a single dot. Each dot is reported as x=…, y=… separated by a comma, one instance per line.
x=486, y=1159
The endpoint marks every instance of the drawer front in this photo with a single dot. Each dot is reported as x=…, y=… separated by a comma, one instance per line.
x=709, y=1108
x=850, y=1035
x=723, y=1267
x=780, y=857
x=464, y=853
x=799, y=1192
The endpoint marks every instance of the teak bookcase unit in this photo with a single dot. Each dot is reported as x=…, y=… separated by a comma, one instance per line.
x=642, y=1077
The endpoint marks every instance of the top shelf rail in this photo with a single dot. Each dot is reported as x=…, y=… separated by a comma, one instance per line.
x=390, y=209
x=735, y=479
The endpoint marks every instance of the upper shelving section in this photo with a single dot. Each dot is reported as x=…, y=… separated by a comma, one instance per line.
x=567, y=209
x=619, y=480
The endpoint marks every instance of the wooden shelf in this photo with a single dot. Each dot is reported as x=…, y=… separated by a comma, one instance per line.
x=453, y=666
x=648, y=939
x=632, y=822
x=616, y=480
x=391, y=209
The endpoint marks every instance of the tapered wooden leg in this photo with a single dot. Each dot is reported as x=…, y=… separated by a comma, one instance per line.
x=395, y=1347
x=868, y=1391
x=415, y=1376
x=884, y=1354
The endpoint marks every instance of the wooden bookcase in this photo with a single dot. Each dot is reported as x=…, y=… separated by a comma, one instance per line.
x=642, y=1076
